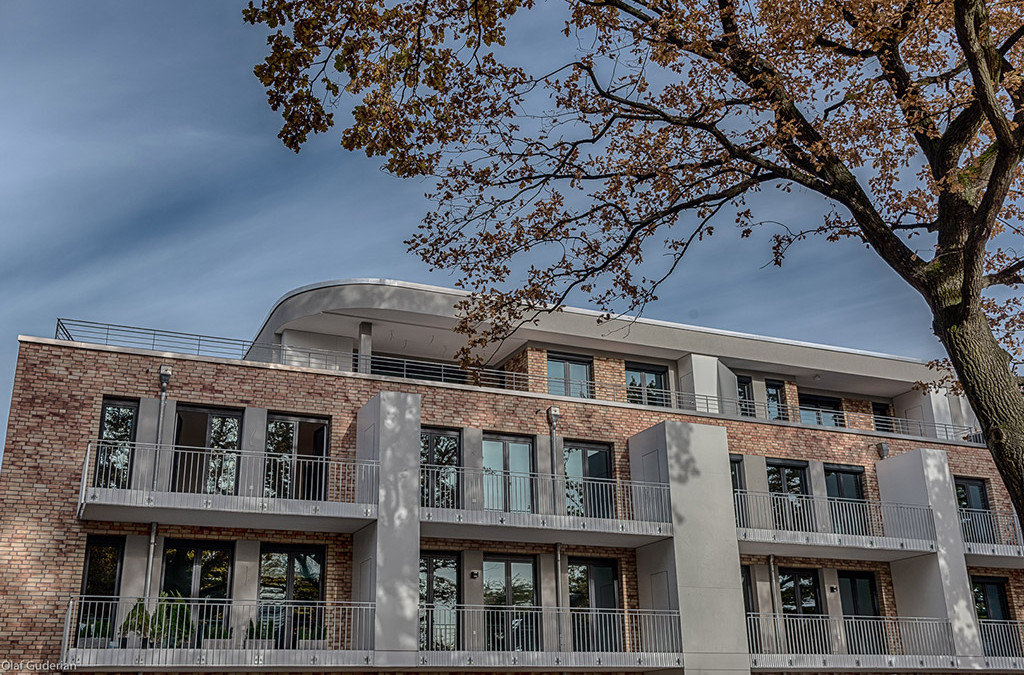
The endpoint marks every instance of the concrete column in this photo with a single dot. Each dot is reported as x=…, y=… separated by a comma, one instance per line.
x=254, y=440
x=473, y=461
x=145, y=432
x=932, y=584
x=755, y=477
x=833, y=607
x=365, y=346
x=657, y=583
x=472, y=578
x=388, y=426
x=549, y=600
x=822, y=515
x=698, y=382
x=544, y=488
x=245, y=586
x=165, y=453
x=727, y=390
x=694, y=460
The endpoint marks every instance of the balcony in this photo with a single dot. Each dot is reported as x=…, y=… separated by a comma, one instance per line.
x=225, y=488
x=525, y=638
x=1003, y=643
x=815, y=642
x=450, y=373
x=768, y=522
x=992, y=538
x=472, y=502
x=192, y=634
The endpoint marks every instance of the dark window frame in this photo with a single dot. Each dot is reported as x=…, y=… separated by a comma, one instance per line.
x=567, y=382
x=653, y=396
x=505, y=439
x=290, y=550
x=197, y=563
x=593, y=560
x=514, y=558
x=117, y=541
x=782, y=413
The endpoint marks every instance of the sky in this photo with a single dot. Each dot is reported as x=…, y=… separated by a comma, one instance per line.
x=142, y=183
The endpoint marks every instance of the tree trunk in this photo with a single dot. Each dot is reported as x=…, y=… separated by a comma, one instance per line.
x=983, y=368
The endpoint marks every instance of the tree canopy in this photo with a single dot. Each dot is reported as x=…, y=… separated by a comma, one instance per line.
x=657, y=119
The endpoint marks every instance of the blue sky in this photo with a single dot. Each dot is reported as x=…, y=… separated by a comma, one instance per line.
x=141, y=182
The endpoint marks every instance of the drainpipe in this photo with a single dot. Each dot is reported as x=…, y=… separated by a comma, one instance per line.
x=553, y=415
x=165, y=378
x=773, y=572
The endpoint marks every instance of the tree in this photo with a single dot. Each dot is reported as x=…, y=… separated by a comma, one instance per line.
x=905, y=117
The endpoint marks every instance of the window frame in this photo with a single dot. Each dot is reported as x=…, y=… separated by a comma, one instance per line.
x=567, y=383
x=117, y=541
x=291, y=550
x=660, y=400
x=197, y=563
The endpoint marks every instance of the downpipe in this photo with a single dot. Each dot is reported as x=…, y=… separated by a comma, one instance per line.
x=553, y=415
x=165, y=378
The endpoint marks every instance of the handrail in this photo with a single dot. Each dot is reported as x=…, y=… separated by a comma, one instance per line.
x=491, y=628
x=451, y=487
x=1002, y=638
x=436, y=371
x=821, y=634
x=122, y=465
x=985, y=526
x=832, y=515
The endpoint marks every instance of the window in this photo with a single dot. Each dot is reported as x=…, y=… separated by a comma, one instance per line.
x=440, y=450
x=570, y=375
x=821, y=410
x=206, y=456
x=439, y=597
x=508, y=474
x=589, y=491
x=883, y=419
x=844, y=486
x=647, y=385
x=739, y=499
x=791, y=510
x=200, y=570
x=293, y=577
x=593, y=587
x=775, y=393
x=512, y=619
x=736, y=470
x=844, y=482
x=745, y=396
x=800, y=595
x=295, y=465
x=101, y=583
x=118, y=423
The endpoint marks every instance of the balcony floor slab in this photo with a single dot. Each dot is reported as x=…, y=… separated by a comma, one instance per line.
x=223, y=660
x=539, y=528
x=830, y=545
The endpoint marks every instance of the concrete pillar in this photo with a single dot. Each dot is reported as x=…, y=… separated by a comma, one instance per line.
x=833, y=607
x=145, y=433
x=727, y=390
x=365, y=346
x=388, y=426
x=545, y=487
x=657, y=583
x=698, y=382
x=755, y=478
x=550, y=602
x=822, y=515
x=472, y=571
x=932, y=584
x=245, y=586
x=473, y=461
x=694, y=460
x=254, y=440
x=165, y=453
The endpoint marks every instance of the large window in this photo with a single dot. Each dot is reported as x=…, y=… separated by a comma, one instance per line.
x=999, y=637
x=440, y=451
x=589, y=491
x=860, y=599
x=199, y=570
x=593, y=589
x=800, y=595
x=844, y=485
x=439, y=597
x=512, y=622
x=745, y=396
x=118, y=424
x=821, y=410
x=508, y=474
x=976, y=520
x=647, y=385
x=295, y=466
x=101, y=579
x=291, y=584
x=206, y=459
x=775, y=393
x=788, y=483
x=570, y=375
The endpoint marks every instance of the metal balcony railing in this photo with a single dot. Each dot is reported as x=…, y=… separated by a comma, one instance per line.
x=204, y=345
x=457, y=487
x=819, y=634
x=831, y=515
x=489, y=628
x=1002, y=638
x=171, y=624
x=982, y=526
x=129, y=467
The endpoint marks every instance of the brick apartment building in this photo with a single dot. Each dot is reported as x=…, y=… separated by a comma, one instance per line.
x=337, y=496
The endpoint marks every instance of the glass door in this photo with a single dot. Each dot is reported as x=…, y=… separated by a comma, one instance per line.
x=507, y=474
x=291, y=586
x=806, y=629
x=511, y=622
x=789, y=488
x=114, y=450
x=864, y=630
x=101, y=583
x=200, y=571
x=999, y=637
x=439, y=597
x=975, y=517
x=295, y=465
x=439, y=466
x=593, y=594
x=847, y=508
x=206, y=456
x=589, y=490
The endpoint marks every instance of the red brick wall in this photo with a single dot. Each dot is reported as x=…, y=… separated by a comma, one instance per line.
x=55, y=410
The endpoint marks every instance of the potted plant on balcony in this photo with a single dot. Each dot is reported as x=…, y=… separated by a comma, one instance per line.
x=260, y=635
x=137, y=628
x=94, y=633
x=217, y=636
x=311, y=637
x=172, y=623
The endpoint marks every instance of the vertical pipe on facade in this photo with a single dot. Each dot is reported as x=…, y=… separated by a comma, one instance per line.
x=165, y=377
x=553, y=415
